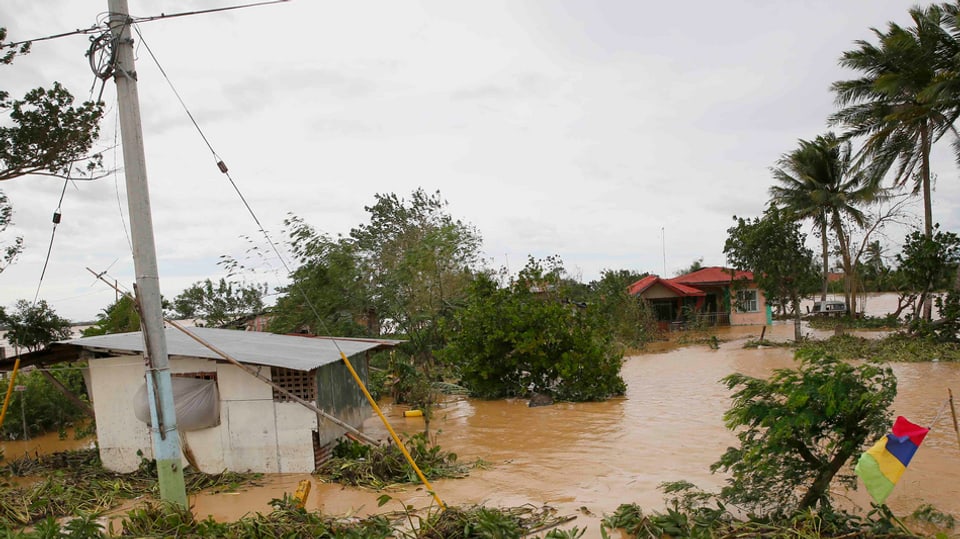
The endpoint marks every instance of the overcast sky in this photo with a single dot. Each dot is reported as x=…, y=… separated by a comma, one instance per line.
x=616, y=134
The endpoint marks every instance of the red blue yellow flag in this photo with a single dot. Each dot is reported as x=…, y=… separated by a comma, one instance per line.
x=882, y=465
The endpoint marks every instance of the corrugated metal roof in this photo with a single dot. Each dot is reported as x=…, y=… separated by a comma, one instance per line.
x=254, y=347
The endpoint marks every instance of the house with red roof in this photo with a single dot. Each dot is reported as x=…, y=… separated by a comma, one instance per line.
x=714, y=295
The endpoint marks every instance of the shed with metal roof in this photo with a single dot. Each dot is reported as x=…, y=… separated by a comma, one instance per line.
x=228, y=418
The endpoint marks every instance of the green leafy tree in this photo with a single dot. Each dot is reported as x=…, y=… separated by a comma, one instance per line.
x=45, y=408
x=43, y=132
x=928, y=263
x=894, y=105
x=696, y=265
x=800, y=428
x=525, y=338
x=875, y=270
x=417, y=261
x=120, y=317
x=629, y=318
x=220, y=303
x=817, y=182
x=33, y=326
x=773, y=248
x=9, y=252
x=326, y=294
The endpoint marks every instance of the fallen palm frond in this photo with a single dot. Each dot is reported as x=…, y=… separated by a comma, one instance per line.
x=75, y=482
x=385, y=466
x=285, y=520
x=478, y=521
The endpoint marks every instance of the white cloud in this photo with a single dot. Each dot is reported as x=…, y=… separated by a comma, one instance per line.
x=588, y=130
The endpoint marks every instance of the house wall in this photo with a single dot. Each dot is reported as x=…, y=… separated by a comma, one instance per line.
x=338, y=394
x=255, y=433
x=758, y=318
x=658, y=291
x=113, y=384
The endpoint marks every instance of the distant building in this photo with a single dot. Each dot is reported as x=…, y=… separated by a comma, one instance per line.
x=714, y=295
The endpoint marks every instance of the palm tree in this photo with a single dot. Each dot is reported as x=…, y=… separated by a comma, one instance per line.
x=895, y=105
x=818, y=182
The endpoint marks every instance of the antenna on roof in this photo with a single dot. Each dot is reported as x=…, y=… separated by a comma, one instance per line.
x=663, y=246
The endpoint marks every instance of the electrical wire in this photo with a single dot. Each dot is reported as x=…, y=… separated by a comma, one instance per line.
x=223, y=169
x=53, y=233
x=95, y=29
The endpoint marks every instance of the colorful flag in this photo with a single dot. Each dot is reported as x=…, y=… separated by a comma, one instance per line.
x=882, y=465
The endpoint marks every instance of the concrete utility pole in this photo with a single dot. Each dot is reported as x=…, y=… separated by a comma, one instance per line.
x=166, y=439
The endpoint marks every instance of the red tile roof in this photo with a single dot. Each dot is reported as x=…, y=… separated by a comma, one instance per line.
x=713, y=275
x=679, y=289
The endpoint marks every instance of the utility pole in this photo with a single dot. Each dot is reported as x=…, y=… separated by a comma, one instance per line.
x=166, y=439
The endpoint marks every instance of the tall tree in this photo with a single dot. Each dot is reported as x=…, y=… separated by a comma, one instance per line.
x=10, y=251
x=417, y=261
x=44, y=133
x=894, y=105
x=928, y=263
x=220, y=303
x=326, y=294
x=772, y=247
x=817, y=182
x=120, y=317
x=33, y=326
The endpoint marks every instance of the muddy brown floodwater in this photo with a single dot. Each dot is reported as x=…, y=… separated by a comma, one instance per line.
x=586, y=459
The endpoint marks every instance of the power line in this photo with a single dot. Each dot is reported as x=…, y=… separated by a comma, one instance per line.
x=95, y=29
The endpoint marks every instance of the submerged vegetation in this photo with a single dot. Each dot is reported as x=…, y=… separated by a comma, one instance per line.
x=379, y=467
x=899, y=347
x=75, y=482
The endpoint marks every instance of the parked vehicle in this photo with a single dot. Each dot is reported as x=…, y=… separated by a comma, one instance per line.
x=829, y=307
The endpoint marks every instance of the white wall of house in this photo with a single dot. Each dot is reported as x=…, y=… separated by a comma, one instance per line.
x=255, y=433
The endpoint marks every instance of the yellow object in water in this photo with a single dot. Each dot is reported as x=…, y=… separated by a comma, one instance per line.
x=413, y=413
x=303, y=492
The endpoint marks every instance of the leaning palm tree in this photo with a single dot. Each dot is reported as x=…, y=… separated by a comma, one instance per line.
x=894, y=105
x=818, y=182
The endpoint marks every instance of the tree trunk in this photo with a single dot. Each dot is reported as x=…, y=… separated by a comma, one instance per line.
x=826, y=260
x=797, y=335
x=818, y=490
x=849, y=279
x=927, y=203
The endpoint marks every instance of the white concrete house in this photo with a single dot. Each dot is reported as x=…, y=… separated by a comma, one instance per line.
x=254, y=427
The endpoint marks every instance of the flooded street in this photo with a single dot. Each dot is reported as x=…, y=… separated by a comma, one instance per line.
x=586, y=459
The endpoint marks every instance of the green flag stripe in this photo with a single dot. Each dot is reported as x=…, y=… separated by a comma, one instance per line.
x=877, y=484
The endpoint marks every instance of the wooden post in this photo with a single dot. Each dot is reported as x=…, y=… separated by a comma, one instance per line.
x=84, y=407
x=953, y=412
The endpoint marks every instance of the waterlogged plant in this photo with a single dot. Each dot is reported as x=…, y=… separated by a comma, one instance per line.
x=286, y=519
x=480, y=522
x=75, y=483
x=379, y=467
x=46, y=409
x=799, y=429
x=898, y=347
x=529, y=337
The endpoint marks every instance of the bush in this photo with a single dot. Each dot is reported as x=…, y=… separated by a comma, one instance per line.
x=523, y=339
x=799, y=429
